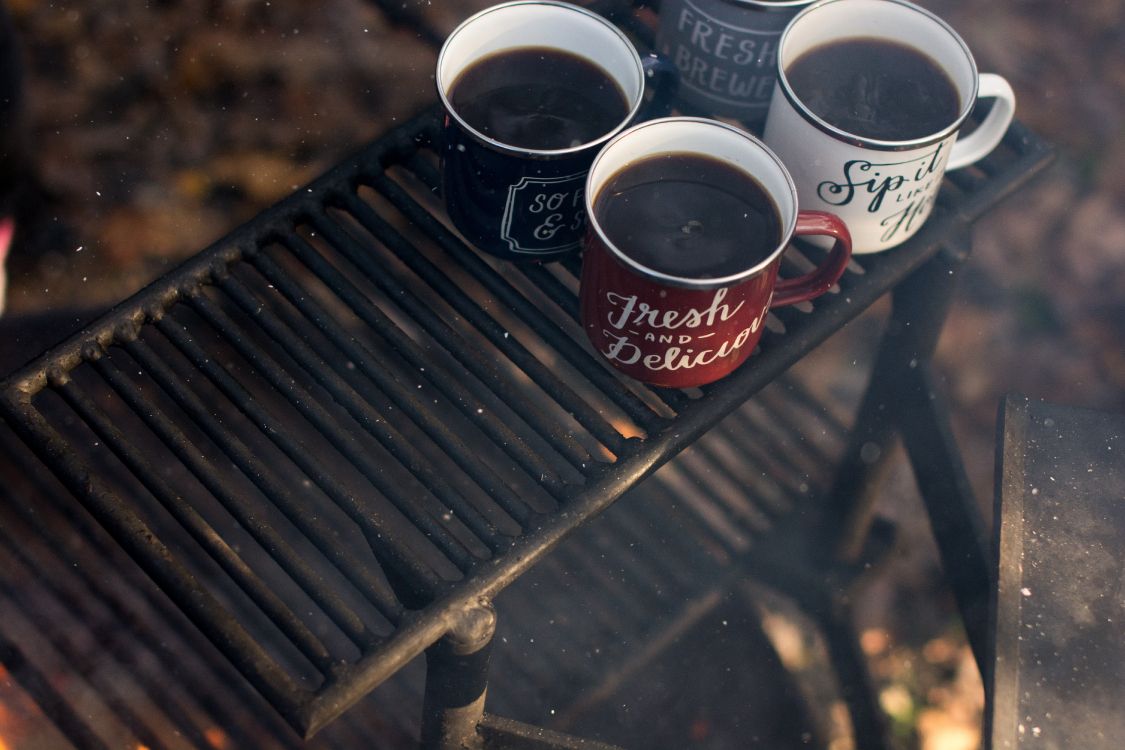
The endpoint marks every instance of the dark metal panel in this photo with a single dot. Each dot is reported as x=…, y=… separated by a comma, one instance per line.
x=1058, y=608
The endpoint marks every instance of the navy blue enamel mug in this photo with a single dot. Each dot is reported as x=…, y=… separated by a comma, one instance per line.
x=532, y=90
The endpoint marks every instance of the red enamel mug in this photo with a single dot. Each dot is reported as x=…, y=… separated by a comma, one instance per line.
x=682, y=330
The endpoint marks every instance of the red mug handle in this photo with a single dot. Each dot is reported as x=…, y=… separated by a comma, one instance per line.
x=819, y=280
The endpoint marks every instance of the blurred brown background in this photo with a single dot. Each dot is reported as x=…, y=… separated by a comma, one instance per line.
x=156, y=127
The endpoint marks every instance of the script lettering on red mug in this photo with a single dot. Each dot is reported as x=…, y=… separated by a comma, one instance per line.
x=674, y=339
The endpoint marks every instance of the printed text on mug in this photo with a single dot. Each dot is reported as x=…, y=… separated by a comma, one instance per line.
x=722, y=61
x=905, y=189
x=545, y=214
x=684, y=338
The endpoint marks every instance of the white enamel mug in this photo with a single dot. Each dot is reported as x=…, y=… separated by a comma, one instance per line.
x=883, y=190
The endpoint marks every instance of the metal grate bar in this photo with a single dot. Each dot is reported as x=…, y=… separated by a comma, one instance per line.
x=359, y=572
x=790, y=430
x=678, y=539
x=313, y=649
x=654, y=523
x=82, y=588
x=696, y=520
x=602, y=593
x=319, y=418
x=578, y=355
x=434, y=427
x=107, y=600
x=207, y=475
x=496, y=333
x=468, y=355
x=48, y=698
x=774, y=490
x=605, y=571
x=405, y=399
x=704, y=466
x=744, y=462
x=502, y=290
x=602, y=619
x=611, y=623
x=317, y=365
x=706, y=518
x=620, y=546
x=800, y=397
x=738, y=509
x=112, y=640
x=738, y=454
x=271, y=486
x=740, y=432
x=731, y=512
x=641, y=532
x=448, y=383
x=1030, y=153
x=267, y=482
x=247, y=655
x=261, y=476
x=673, y=558
x=332, y=373
x=967, y=180
x=372, y=522
x=554, y=289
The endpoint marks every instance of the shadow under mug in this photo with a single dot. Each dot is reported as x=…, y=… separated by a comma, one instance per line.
x=525, y=203
x=678, y=331
x=883, y=190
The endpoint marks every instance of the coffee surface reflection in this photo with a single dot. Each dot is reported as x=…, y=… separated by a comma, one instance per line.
x=875, y=88
x=688, y=215
x=539, y=98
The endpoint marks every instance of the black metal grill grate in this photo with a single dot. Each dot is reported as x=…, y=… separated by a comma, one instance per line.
x=327, y=433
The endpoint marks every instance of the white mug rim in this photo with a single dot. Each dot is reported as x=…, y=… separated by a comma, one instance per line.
x=507, y=147
x=686, y=281
x=876, y=143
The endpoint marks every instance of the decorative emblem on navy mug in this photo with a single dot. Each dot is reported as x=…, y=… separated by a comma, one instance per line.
x=726, y=53
x=544, y=213
x=532, y=90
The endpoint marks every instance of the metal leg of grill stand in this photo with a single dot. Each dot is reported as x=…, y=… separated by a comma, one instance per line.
x=919, y=308
x=904, y=399
x=457, y=681
x=900, y=400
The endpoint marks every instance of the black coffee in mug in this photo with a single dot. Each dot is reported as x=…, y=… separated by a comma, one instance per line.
x=875, y=88
x=689, y=216
x=539, y=98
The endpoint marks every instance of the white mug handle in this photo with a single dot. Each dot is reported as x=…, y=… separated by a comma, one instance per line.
x=988, y=134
